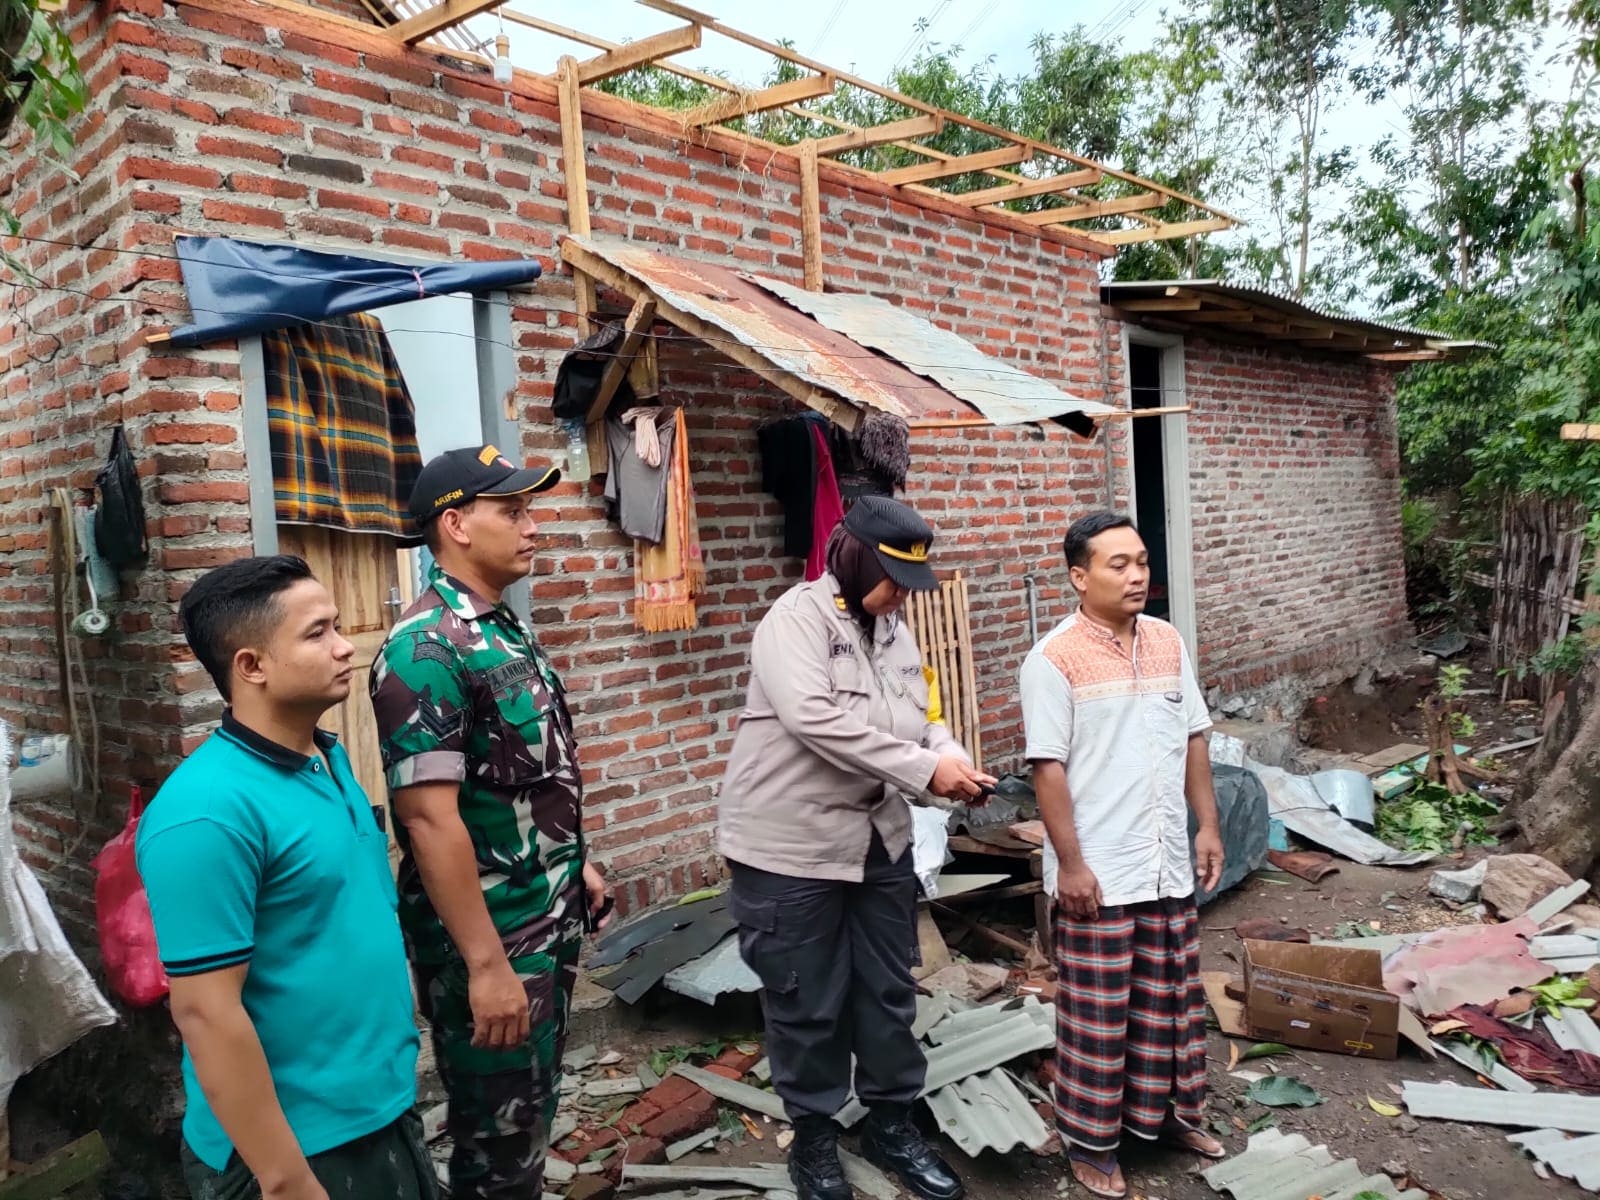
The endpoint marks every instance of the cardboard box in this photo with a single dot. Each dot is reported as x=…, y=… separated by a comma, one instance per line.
x=1320, y=998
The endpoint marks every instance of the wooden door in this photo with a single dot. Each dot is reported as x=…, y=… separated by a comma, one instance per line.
x=362, y=572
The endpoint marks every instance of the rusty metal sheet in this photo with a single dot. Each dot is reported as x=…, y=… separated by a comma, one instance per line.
x=1000, y=391
x=791, y=341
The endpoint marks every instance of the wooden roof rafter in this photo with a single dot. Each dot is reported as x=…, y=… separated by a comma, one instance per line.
x=1022, y=168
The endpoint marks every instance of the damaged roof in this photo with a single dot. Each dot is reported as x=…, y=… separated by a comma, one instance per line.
x=824, y=367
x=1213, y=306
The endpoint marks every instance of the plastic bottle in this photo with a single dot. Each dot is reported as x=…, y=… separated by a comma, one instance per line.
x=577, y=452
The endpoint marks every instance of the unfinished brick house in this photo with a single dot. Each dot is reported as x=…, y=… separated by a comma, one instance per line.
x=1272, y=494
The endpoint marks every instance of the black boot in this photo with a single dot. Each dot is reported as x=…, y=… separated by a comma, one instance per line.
x=891, y=1140
x=814, y=1160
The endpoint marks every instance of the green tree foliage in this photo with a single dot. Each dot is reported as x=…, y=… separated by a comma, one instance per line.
x=40, y=86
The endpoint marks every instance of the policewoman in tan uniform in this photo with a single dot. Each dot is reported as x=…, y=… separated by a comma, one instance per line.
x=812, y=816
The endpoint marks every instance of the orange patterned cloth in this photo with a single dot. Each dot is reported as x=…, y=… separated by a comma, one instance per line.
x=668, y=575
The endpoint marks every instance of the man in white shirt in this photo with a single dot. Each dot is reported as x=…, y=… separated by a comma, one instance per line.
x=1116, y=727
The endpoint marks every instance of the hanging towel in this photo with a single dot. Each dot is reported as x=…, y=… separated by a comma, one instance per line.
x=342, y=427
x=827, y=509
x=636, y=489
x=667, y=577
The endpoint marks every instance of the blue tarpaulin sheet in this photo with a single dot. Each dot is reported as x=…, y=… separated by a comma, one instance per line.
x=239, y=288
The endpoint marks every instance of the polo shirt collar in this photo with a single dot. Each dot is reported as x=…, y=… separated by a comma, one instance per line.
x=278, y=755
x=458, y=597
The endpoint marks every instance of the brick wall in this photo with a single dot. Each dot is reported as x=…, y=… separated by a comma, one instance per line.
x=1295, y=476
x=257, y=122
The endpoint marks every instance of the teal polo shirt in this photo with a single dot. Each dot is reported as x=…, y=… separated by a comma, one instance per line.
x=253, y=853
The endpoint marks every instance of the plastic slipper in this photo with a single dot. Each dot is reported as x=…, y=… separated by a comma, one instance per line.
x=1083, y=1158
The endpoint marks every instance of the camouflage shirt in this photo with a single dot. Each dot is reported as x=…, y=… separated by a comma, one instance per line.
x=464, y=695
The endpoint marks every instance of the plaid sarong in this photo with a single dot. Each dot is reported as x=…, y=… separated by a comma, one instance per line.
x=342, y=427
x=1130, y=1023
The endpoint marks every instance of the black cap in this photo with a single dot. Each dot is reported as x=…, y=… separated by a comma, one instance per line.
x=899, y=538
x=457, y=476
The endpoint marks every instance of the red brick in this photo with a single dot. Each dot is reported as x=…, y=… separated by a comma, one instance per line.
x=350, y=202
x=242, y=214
x=738, y=1060
x=261, y=122
x=324, y=110
x=227, y=147
x=266, y=185
x=684, y=1119
x=169, y=172
x=389, y=123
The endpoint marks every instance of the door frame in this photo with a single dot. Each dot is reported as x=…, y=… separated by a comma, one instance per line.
x=1175, y=472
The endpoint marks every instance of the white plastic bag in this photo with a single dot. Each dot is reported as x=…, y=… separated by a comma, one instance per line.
x=930, y=845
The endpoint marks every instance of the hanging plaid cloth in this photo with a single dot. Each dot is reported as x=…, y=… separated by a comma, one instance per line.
x=343, y=429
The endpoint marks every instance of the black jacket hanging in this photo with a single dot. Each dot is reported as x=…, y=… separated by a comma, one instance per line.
x=119, y=517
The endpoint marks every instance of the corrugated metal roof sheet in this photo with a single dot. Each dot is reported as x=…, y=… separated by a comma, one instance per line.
x=1574, y=1158
x=988, y=1112
x=1574, y=1030
x=792, y=342
x=1480, y=1062
x=1542, y=1110
x=1280, y=1166
x=1003, y=393
x=1142, y=288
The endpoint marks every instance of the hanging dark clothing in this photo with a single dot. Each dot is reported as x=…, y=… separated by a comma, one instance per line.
x=827, y=508
x=789, y=473
x=342, y=427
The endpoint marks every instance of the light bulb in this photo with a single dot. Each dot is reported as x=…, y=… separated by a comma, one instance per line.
x=502, y=59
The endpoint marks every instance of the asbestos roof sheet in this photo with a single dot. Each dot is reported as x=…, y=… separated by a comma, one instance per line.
x=1574, y=1158
x=1003, y=393
x=737, y=316
x=1542, y=1110
x=988, y=1112
x=1574, y=1029
x=1280, y=1166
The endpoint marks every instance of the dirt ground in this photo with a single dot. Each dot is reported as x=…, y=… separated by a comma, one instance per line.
x=1454, y=1161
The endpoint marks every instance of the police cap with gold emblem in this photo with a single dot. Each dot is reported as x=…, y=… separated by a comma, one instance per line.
x=899, y=538
x=457, y=476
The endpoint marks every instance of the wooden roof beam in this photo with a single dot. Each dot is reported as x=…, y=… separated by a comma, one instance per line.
x=641, y=53
x=1097, y=208
x=437, y=19
x=1049, y=185
x=946, y=168
x=1220, y=316
x=1127, y=237
x=880, y=135
x=743, y=104
x=1162, y=304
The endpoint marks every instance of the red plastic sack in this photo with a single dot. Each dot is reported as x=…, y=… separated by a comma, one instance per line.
x=122, y=912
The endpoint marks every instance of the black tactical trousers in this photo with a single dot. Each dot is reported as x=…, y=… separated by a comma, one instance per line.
x=835, y=966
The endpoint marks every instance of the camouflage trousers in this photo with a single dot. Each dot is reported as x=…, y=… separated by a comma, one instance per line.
x=391, y=1164
x=502, y=1103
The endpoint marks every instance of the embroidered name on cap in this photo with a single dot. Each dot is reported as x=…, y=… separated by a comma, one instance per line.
x=449, y=496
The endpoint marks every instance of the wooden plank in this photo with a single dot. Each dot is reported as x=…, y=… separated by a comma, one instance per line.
x=742, y=104
x=73, y=1164
x=1049, y=185
x=1030, y=888
x=1096, y=208
x=1163, y=304
x=437, y=19
x=810, y=216
x=1128, y=237
x=970, y=671
x=1005, y=156
x=1580, y=433
x=584, y=260
x=640, y=317
x=573, y=164
x=638, y=54
x=881, y=135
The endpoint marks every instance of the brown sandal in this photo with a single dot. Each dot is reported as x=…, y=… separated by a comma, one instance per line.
x=1198, y=1142
x=1083, y=1162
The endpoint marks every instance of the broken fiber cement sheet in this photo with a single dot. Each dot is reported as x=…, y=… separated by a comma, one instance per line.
x=1464, y=964
x=1295, y=800
x=1483, y=1106
x=49, y=1000
x=1280, y=1166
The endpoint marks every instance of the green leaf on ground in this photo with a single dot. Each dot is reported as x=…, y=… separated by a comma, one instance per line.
x=1262, y=1122
x=1283, y=1091
x=1263, y=1050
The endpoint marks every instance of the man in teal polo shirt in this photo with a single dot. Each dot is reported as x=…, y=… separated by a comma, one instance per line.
x=268, y=877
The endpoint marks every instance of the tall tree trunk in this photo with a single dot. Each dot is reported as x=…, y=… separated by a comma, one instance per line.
x=1557, y=808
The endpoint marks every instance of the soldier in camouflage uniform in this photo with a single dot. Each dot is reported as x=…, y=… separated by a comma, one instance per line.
x=483, y=777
